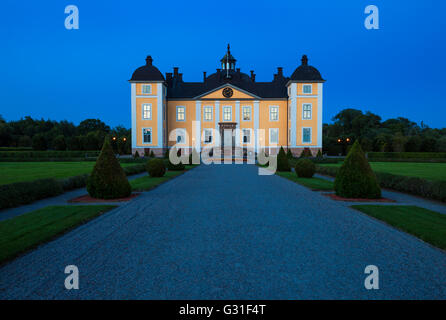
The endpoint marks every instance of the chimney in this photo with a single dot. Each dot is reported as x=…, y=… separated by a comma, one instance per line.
x=280, y=72
x=253, y=76
x=180, y=77
x=175, y=72
x=204, y=76
x=168, y=76
x=275, y=77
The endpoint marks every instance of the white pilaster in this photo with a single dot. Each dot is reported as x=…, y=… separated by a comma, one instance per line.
x=198, y=126
x=133, y=106
x=293, y=114
x=159, y=114
x=237, y=119
x=256, y=125
x=319, y=114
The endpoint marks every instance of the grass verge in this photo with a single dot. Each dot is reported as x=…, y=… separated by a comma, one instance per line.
x=27, y=231
x=147, y=183
x=312, y=183
x=429, y=226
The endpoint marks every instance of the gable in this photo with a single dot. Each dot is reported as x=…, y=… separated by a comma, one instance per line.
x=237, y=93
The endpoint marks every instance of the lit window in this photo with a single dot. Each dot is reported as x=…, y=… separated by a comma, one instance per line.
x=306, y=88
x=273, y=113
x=181, y=113
x=147, y=135
x=207, y=135
x=207, y=113
x=246, y=136
x=306, y=111
x=306, y=135
x=147, y=111
x=146, y=89
x=246, y=111
x=274, y=136
x=227, y=113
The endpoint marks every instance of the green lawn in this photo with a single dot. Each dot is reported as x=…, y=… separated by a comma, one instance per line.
x=430, y=226
x=146, y=183
x=26, y=231
x=28, y=171
x=430, y=171
x=312, y=183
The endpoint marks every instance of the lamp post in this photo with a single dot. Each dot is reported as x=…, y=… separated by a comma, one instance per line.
x=344, y=142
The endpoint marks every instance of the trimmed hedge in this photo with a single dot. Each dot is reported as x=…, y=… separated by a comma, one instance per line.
x=15, y=194
x=406, y=155
x=20, y=193
x=417, y=186
x=48, y=154
x=305, y=168
x=156, y=168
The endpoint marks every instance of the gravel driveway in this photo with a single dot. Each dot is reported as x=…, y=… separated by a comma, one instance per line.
x=223, y=232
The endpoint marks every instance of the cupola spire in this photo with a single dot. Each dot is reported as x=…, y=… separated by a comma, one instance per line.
x=149, y=60
x=228, y=61
x=304, y=60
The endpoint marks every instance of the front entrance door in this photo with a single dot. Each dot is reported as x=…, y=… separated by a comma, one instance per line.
x=227, y=137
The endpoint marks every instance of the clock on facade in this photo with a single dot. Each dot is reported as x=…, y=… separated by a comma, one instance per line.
x=227, y=92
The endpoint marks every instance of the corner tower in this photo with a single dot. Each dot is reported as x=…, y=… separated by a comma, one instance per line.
x=148, y=103
x=305, y=90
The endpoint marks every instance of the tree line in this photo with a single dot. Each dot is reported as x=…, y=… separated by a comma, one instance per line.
x=62, y=135
x=392, y=135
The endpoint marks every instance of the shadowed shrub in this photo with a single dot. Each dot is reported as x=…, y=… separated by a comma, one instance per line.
x=108, y=180
x=282, y=161
x=355, y=178
x=305, y=168
x=155, y=167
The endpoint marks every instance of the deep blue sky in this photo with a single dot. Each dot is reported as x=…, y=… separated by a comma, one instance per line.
x=50, y=72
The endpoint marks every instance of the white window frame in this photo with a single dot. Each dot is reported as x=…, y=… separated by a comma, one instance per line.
x=243, y=113
x=311, y=135
x=151, y=135
x=178, y=107
x=243, y=136
x=180, y=132
x=270, y=131
x=303, y=111
x=211, y=135
x=289, y=135
x=271, y=107
x=306, y=86
x=146, y=86
x=204, y=113
x=230, y=113
x=143, y=111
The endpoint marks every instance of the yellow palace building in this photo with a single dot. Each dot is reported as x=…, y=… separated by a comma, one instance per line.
x=168, y=111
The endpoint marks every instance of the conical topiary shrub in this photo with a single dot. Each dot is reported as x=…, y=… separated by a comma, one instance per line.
x=355, y=178
x=289, y=154
x=282, y=161
x=108, y=180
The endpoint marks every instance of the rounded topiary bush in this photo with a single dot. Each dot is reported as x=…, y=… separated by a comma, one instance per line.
x=155, y=167
x=282, y=161
x=355, y=178
x=305, y=168
x=108, y=180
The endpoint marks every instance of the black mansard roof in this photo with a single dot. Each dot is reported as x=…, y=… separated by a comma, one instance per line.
x=177, y=88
